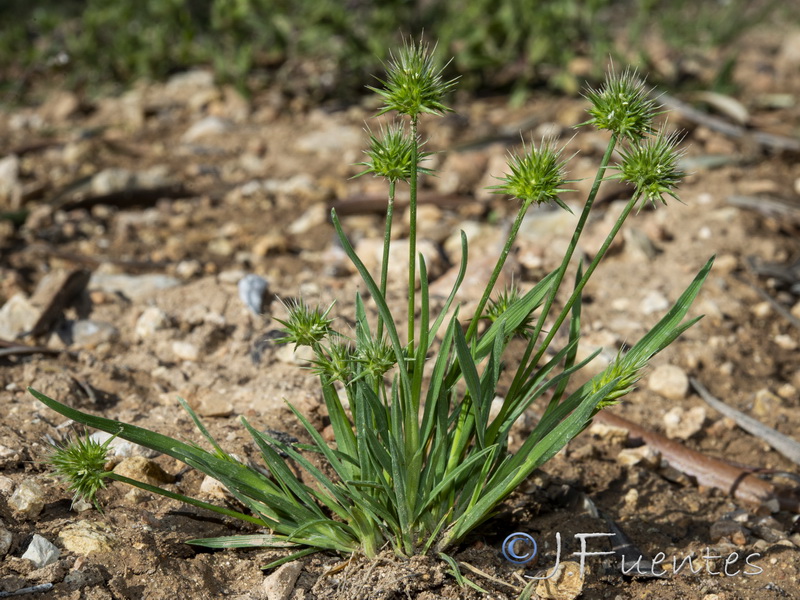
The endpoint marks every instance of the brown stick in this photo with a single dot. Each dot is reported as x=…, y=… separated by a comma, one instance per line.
x=707, y=470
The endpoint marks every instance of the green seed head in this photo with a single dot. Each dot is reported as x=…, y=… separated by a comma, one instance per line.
x=622, y=106
x=81, y=464
x=305, y=326
x=628, y=368
x=413, y=84
x=390, y=154
x=651, y=166
x=535, y=176
x=498, y=306
x=376, y=356
x=335, y=362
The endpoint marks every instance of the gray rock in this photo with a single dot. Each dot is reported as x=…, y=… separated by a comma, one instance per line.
x=252, y=291
x=280, y=584
x=90, y=334
x=28, y=499
x=41, y=552
x=135, y=287
x=122, y=448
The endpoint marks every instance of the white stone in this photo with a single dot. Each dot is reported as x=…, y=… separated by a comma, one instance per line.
x=654, y=301
x=185, y=351
x=682, y=424
x=210, y=126
x=669, y=381
x=151, y=320
x=41, y=552
x=28, y=499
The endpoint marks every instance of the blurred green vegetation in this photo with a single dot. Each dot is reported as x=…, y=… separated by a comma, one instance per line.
x=329, y=47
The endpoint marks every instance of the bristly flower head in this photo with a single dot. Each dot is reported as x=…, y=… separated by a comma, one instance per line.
x=622, y=106
x=335, y=362
x=505, y=300
x=628, y=368
x=305, y=326
x=652, y=166
x=413, y=84
x=536, y=176
x=391, y=154
x=81, y=464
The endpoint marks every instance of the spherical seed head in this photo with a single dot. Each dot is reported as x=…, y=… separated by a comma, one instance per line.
x=305, y=326
x=537, y=175
x=391, y=154
x=622, y=106
x=413, y=84
x=652, y=167
x=376, y=356
x=81, y=464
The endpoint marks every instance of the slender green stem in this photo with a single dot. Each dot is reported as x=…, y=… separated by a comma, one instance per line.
x=387, y=240
x=412, y=235
x=186, y=499
x=473, y=326
x=525, y=369
x=582, y=283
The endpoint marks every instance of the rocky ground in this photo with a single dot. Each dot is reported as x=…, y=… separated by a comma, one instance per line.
x=145, y=212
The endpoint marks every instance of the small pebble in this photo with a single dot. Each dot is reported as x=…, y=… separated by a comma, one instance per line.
x=151, y=320
x=252, y=292
x=41, y=552
x=85, y=538
x=669, y=381
x=28, y=499
x=566, y=583
x=280, y=584
x=185, y=351
x=142, y=469
x=5, y=541
x=654, y=302
x=785, y=342
x=682, y=424
x=762, y=310
x=210, y=403
x=643, y=455
x=732, y=530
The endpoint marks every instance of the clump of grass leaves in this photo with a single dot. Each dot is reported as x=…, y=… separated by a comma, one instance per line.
x=419, y=460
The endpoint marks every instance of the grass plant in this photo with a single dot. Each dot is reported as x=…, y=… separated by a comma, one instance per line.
x=419, y=459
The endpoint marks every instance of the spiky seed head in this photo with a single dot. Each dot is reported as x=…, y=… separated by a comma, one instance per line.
x=335, y=362
x=305, y=326
x=652, y=166
x=497, y=307
x=623, y=106
x=81, y=464
x=391, y=154
x=413, y=84
x=376, y=356
x=535, y=176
